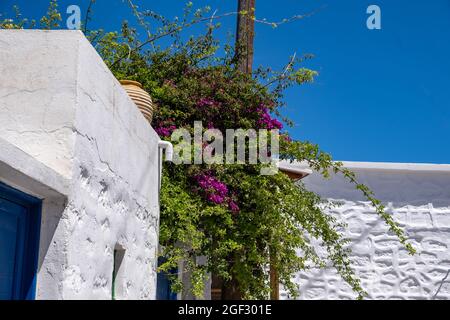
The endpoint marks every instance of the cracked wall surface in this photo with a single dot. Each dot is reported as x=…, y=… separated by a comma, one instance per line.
x=419, y=201
x=37, y=94
x=63, y=109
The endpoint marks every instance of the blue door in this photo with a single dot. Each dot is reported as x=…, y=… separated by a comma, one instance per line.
x=19, y=237
x=163, y=291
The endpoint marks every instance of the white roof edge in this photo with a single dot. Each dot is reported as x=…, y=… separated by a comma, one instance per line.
x=294, y=164
x=397, y=166
x=394, y=166
x=296, y=167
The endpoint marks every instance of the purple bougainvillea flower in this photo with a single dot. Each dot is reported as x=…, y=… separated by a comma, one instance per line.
x=233, y=206
x=208, y=103
x=162, y=132
x=215, y=198
x=165, y=131
x=214, y=190
x=266, y=121
x=165, y=128
x=205, y=102
x=208, y=182
x=276, y=124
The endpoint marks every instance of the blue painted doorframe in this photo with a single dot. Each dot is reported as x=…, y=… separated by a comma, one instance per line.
x=20, y=220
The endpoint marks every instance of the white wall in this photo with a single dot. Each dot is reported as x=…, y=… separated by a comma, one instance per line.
x=418, y=197
x=78, y=142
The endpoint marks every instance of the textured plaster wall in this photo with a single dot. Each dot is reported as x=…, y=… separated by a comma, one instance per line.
x=38, y=78
x=419, y=201
x=69, y=120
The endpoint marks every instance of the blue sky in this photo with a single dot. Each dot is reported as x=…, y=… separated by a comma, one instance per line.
x=381, y=95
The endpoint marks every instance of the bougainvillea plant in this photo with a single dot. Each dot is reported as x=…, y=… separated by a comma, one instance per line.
x=241, y=221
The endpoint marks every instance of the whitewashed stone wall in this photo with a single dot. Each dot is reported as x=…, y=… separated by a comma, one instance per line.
x=418, y=197
x=74, y=138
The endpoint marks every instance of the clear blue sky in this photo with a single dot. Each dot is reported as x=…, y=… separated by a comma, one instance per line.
x=382, y=95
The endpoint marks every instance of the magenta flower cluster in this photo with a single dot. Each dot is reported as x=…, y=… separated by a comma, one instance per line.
x=233, y=206
x=165, y=131
x=165, y=128
x=266, y=121
x=215, y=191
x=207, y=103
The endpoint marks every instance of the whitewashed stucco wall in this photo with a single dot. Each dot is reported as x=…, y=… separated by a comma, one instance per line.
x=418, y=197
x=77, y=141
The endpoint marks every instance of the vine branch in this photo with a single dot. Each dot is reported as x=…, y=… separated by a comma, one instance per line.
x=87, y=18
x=200, y=20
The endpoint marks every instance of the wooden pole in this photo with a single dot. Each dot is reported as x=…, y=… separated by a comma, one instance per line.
x=274, y=279
x=245, y=35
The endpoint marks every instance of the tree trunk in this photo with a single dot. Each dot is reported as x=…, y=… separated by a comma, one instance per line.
x=245, y=35
x=274, y=279
x=230, y=290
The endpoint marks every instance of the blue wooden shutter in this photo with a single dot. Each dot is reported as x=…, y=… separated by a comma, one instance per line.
x=19, y=243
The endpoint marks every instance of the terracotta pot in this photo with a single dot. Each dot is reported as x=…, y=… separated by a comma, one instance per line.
x=140, y=97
